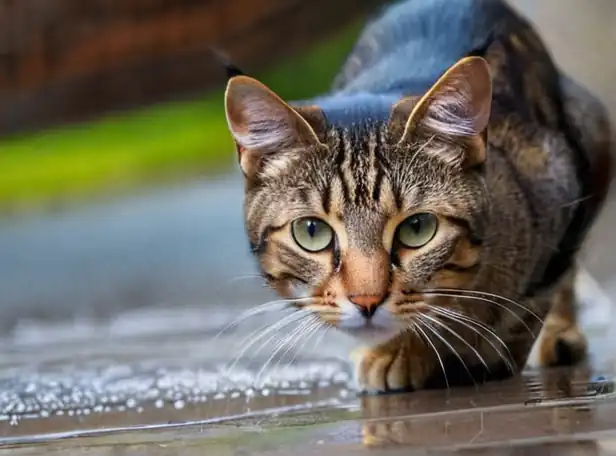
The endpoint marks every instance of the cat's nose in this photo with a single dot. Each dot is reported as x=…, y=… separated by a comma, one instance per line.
x=367, y=304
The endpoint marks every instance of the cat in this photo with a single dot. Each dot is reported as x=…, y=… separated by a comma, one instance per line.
x=431, y=205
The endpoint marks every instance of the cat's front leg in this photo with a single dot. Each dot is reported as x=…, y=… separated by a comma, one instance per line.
x=399, y=365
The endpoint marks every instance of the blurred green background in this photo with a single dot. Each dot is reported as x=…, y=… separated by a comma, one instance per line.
x=113, y=150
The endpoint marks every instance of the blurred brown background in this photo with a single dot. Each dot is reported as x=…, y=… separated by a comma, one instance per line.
x=66, y=60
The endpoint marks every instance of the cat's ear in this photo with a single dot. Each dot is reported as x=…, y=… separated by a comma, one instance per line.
x=456, y=111
x=265, y=128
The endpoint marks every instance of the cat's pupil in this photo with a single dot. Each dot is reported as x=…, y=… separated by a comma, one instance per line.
x=311, y=228
x=415, y=225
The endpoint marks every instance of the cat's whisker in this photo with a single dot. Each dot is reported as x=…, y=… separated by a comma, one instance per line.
x=468, y=322
x=453, y=293
x=457, y=336
x=318, y=342
x=273, y=334
x=447, y=344
x=418, y=326
x=271, y=306
x=255, y=336
x=262, y=332
x=292, y=337
x=264, y=329
x=487, y=294
x=460, y=318
x=578, y=201
x=237, y=279
x=309, y=333
x=244, y=277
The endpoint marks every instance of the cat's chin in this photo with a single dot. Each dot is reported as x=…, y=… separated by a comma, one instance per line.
x=371, y=336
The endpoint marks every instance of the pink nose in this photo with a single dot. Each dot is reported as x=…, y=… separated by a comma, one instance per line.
x=367, y=304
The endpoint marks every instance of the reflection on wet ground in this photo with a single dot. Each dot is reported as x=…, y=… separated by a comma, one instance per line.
x=148, y=281
x=530, y=414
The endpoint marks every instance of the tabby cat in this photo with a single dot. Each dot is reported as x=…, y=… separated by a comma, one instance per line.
x=433, y=204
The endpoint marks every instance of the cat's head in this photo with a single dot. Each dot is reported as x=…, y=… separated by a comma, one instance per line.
x=363, y=218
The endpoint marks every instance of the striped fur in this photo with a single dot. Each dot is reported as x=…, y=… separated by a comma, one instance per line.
x=466, y=119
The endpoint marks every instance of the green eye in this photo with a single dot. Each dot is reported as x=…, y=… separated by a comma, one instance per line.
x=312, y=234
x=417, y=230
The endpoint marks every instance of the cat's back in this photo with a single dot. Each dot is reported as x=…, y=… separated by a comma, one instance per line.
x=411, y=43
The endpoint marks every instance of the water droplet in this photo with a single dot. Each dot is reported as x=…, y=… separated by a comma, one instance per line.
x=159, y=403
x=131, y=403
x=30, y=388
x=179, y=404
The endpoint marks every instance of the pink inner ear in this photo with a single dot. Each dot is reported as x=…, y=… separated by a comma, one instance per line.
x=260, y=120
x=459, y=104
x=263, y=125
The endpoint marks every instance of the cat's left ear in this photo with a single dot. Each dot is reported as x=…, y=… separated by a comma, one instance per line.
x=456, y=111
x=267, y=131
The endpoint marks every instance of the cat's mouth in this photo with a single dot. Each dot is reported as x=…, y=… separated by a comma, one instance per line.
x=372, y=334
x=370, y=326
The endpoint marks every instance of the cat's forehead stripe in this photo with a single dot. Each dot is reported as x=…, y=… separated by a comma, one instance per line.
x=359, y=164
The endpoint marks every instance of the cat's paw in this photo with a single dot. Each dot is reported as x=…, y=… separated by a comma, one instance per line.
x=379, y=371
x=562, y=346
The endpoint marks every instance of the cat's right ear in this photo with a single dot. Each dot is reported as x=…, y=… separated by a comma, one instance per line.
x=453, y=115
x=266, y=130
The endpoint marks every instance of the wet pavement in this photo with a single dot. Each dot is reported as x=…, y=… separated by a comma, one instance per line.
x=111, y=313
x=558, y=412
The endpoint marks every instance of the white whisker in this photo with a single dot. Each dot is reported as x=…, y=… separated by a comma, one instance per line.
x=459, y=337
x=451, y=294
x=294, y=336
x=418, y=326
x=271, y=306
x=467, y=322
x=308, y=334
x=262, y=332
x=451, y=347
x=461, y=292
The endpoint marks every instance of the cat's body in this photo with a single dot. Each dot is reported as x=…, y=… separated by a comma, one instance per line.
x=445, y=159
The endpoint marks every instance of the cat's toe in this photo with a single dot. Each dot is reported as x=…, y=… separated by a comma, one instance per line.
x=563, y=348
x=379, y=372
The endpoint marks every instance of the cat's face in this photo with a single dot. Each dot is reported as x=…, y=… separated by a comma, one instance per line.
x=359, y=223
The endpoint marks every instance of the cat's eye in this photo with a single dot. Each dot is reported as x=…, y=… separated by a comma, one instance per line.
x=312, y=234
x=417, y=230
